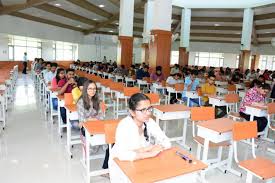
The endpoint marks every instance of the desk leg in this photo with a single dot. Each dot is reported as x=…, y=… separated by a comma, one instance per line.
x=184, y=134
x=59, y=119
x=229, y=162
x=205, y=150
x=68, y=126
x=87, y=144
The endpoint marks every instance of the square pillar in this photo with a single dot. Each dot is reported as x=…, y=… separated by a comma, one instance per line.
x=125, y=51
x=244, y=60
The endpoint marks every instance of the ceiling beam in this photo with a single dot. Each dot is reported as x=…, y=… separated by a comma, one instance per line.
x=91, y=7
x=65, y=13
x=264, y=16
x=1, y=4
x=214, y=41
x=45, y=21
x=215, y=35
x=112, y=19
x=18, y=7
x=201, y=27
x=267, y=35
x=114, y=33
x=265, y=26
x=115, y=2
x=177, y=28
x=217, y=19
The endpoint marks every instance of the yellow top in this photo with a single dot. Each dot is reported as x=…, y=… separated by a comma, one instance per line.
x=76, y=93
x=207, y=89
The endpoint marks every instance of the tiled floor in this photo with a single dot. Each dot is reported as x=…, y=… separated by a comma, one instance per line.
x=32, y=152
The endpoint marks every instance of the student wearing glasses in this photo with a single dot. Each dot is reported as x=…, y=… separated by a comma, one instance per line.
x=137, y=136
x=255, y=96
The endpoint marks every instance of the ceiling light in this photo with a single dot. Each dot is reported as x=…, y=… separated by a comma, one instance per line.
x=117, y=23
x=95, y=19
x=79, y=26
x=216, y=24
x=101, y=5
x=57, y=4
x=111, y=31
x=267, y=32
x=237, y=33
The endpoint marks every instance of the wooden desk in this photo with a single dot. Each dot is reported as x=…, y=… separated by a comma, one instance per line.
x=167, y=165
x=173, y=112
x=217, y=101
x=95, y=135
x=217, y=131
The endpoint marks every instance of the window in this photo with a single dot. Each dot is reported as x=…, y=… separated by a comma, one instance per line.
x=263, y=62
x=64, y=51
x=174, y=57
x=19, y=45
x=209, y=59
x=237, y=61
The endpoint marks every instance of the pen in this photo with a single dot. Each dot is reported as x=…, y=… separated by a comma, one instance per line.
x=186, y=158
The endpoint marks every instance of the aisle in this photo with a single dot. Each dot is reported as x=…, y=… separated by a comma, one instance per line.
x=30, y=150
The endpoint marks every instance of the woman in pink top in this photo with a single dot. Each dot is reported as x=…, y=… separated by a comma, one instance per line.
x=60, y=74
x=255, y=95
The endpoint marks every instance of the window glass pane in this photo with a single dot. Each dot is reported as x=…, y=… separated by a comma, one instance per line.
x=18, y=42
x=237, y=61
x=11, y=53
x=59, y=55
x=68, y=54
x=174, y=57
x=221, y=62
x=19, y=52
x=215, y=62
x=39, y=53
x=32, y=53
x=196, y=60
x=32, y=43
x=204, y=54
x=203, y=61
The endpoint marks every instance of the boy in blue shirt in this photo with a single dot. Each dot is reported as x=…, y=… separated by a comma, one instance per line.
x=191, y=84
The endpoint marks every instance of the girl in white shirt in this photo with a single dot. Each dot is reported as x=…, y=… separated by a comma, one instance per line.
x=137, y=136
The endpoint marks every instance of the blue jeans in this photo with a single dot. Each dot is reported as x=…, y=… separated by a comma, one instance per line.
x=192, y=101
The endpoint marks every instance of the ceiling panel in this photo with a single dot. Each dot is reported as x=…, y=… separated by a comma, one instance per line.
x=266, y=21
x=110, y=7
x=216, y=23
x=265, y=10
x=12, y=2
x=43, y=14
x=77, y=10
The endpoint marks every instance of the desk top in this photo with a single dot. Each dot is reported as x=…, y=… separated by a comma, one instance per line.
x=97, y=127
x=71, y=108
x=221, y=125
x=257, y=107
x=164, y=166
x=172, y=108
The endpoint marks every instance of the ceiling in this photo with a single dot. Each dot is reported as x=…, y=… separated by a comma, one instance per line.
x=207, y=25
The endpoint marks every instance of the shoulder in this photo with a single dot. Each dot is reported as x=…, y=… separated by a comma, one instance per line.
x=125, y=124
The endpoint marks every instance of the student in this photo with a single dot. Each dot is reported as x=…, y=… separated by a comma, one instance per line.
x=255, y=96
x=131, y=71
x=191, y=84
x=137, y=136
x=175, y=69
x=60, y=74
x=88, y=109
x=46, y=69
x=50, y=75
x=174, y=79
x=158, y=76
x=67, y=83
x=77, y=91
x=143, y=72
x=208, y=89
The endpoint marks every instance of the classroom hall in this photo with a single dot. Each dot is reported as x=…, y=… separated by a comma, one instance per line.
x=137, y=91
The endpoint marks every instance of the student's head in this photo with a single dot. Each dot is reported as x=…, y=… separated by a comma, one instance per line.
x=146, y=68
x=25, y=53
x=48, y=66
x=176, y=66
x=158, y=70
x=194, y=74
x=89, y=94
x=69, y=73
x=53, y=67
x=261, y=78
x=177, y=76
x=264, y=89
x=211, y=79
x=140, y=108
x=80, y=82
x=60, y=74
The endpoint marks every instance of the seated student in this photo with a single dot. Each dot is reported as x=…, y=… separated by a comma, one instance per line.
x=50, y=75
x=208, y=89
x=158, y=76
x=255, y=96
x=88, y=109
x=191, y=83
x=77, y=91
x=137, y=136
x=174, y=79
x=66, y=85
x=46, y=69
x=143, y=72
x=131, y=71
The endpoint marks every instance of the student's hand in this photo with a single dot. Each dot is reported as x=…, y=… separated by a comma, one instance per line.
x=92, y=119
x=154, y=153
x=157, y=148
x=71, y=81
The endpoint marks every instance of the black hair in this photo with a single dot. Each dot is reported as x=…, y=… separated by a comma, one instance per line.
x=194, y=72
x=57, y=74
x=80, y=81
x=48, y=63
x=256, y=83
x=135, y=99
x=53, y=64
x=158, y=68
x=265, y=86
x=69, y=70
x=211, y=75
x=146, y=67
x=85, y=97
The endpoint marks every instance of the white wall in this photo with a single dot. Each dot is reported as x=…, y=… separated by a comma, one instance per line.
x=18, y=26
x=4, y=49
x=230, y=60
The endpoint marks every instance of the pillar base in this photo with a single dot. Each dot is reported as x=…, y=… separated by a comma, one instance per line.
x=125, y=51
x=160, y=50
x=183, y=56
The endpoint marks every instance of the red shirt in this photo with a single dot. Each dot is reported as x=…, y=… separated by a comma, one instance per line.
x=62, y=82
